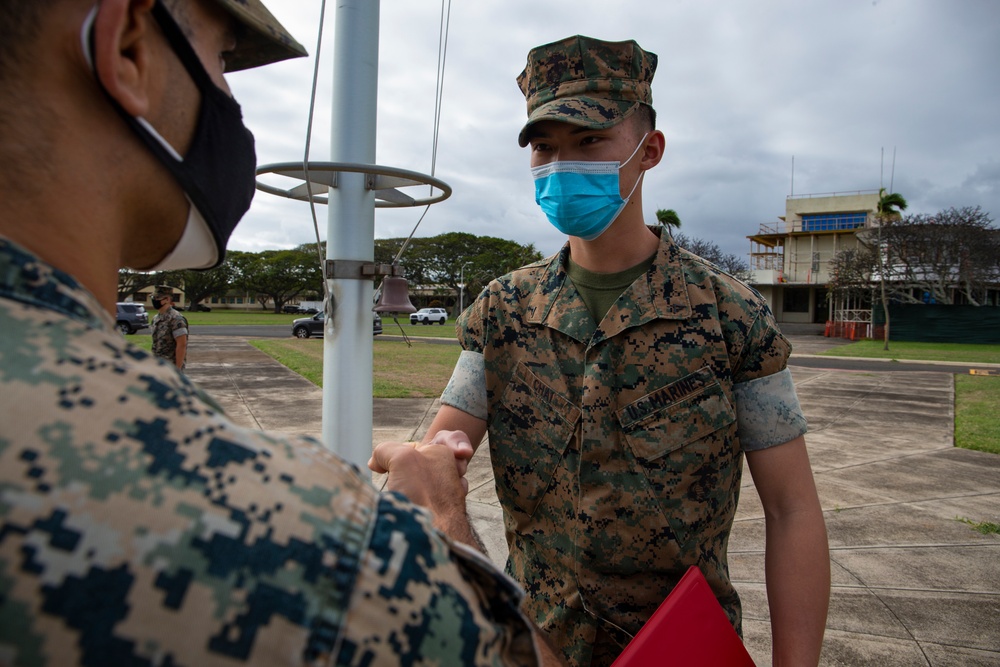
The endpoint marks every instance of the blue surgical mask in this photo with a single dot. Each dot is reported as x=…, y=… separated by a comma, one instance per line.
x=582, y=198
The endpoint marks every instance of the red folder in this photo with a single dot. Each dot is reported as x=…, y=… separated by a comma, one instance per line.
x=689, y=628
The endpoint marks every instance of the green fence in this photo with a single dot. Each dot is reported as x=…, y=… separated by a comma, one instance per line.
x=941, y=324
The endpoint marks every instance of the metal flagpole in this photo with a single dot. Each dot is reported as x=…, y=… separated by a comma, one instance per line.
x=355, y=187
x=347, y=340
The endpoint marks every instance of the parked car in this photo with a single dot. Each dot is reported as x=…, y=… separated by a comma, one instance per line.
x=304, y=327
x=131, y=317
x=291, y=309
x=429, y=316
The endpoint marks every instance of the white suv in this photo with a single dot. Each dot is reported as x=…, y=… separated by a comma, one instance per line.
x=429, y=316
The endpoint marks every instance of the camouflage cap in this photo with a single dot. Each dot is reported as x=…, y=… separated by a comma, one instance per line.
x=162, y=291
x=263, y=40
x=585, y=81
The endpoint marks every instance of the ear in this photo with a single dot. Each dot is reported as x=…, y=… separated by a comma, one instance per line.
x=123, y=48
x=654, y=150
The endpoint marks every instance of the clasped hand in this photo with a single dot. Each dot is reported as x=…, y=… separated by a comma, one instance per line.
x=430, y=474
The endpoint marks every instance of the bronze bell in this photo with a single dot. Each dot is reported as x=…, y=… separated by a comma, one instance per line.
x=395, y=297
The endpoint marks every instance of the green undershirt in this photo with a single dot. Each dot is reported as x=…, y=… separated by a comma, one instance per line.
x=599, y=291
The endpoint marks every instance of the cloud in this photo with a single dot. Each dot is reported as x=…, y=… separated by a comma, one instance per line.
x=741, y=88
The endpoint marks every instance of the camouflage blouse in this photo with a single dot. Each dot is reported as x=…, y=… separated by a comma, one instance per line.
x=617, y=446
x=167, y=327
x=139, y=526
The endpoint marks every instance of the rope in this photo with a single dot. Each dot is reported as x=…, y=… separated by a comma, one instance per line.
x=305, y=157
x=443, y=31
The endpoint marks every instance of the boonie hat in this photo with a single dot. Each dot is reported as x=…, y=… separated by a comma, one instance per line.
x=586, y=81
x=264, y=40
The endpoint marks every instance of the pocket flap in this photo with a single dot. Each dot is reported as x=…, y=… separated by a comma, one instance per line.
x=671, y=417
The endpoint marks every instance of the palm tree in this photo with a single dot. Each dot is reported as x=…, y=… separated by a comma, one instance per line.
x=889, y=203
x=669, y=217
x=889, y=206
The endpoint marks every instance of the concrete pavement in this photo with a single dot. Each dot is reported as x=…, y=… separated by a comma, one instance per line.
x=912, y=584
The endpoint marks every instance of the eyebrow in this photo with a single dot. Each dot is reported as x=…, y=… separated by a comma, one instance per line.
x=535, y=133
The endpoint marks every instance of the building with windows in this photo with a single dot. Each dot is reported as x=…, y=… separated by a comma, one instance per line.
x=790, y=258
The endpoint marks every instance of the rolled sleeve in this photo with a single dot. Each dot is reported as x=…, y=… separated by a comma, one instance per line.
x=466, y=389
x=768, y=411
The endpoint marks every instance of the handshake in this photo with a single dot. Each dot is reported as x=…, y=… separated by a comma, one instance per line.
x=432, y=474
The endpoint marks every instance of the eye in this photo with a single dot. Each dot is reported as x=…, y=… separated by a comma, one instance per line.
x=540, y=147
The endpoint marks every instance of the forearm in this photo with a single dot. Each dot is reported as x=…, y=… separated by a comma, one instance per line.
x=797, y=559
x=457, y=526
x=797, y=565
x=181, y=351
x=449, y=418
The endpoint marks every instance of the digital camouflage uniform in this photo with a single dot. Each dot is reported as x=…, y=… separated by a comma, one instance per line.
x=166, y=328
x=615, y=448
x=139, y=526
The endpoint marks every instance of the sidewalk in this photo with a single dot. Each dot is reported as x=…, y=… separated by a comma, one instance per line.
x=912, y=585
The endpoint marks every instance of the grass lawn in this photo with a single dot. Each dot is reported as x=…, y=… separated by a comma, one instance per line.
x=390, y=328
x=957, y=352
x=235, y=318
x=421, y=371
x=977, y=418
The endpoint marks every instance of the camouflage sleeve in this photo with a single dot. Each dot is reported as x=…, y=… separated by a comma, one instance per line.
x=471, y=325
x=439, y=602
x=139, y=526
x=763, y=350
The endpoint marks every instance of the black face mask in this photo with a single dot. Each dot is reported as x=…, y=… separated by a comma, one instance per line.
x=217, y=174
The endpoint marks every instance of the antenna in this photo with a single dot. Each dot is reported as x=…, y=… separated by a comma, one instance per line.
x=892, y=174
x=793, y=175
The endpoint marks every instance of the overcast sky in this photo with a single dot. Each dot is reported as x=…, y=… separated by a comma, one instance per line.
x=740, y=89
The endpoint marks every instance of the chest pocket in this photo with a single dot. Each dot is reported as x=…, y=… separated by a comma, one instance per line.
x=530, y=429
x=683, y=438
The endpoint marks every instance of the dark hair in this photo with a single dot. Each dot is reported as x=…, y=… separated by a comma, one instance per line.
x=645, y=118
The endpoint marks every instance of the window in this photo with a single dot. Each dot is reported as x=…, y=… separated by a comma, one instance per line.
x=796, y=300
x=824, y=222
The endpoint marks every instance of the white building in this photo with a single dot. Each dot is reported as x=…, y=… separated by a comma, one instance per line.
x=790, y=258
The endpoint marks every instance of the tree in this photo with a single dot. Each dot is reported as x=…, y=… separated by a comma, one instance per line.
x=200, y=285
x=949, y=257
x=889, y=209
x=276, y=275
x=952, y=256
x=438, y=260
x=732, y=264
x=131, y=282
x=890, y=203
x=668, y=217
x=852, y=275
